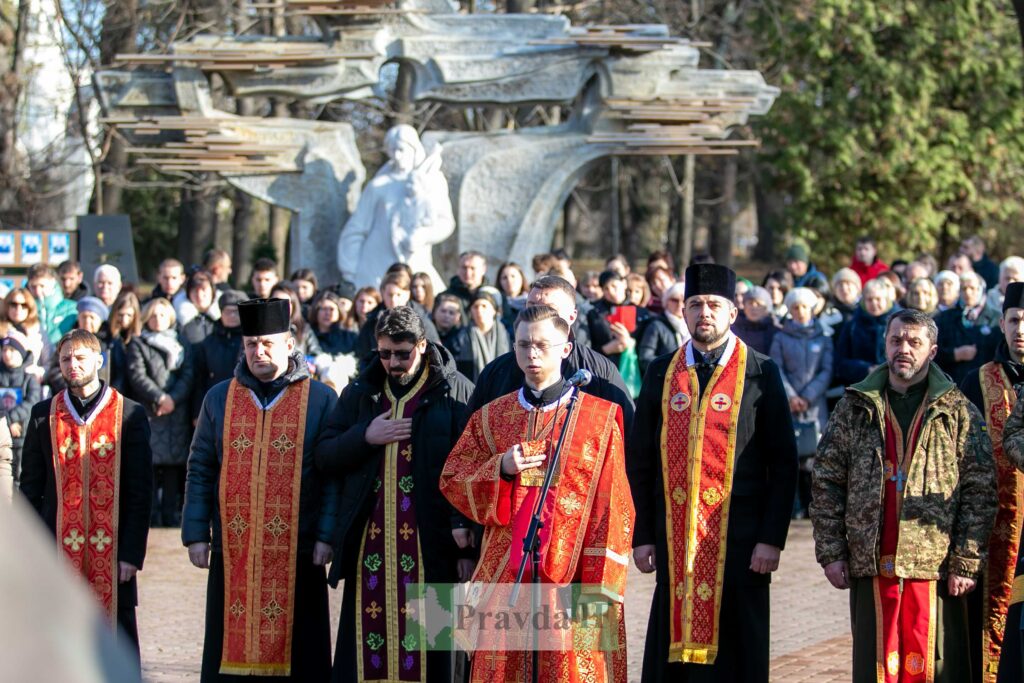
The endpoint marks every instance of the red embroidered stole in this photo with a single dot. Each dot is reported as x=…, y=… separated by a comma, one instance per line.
x=698, y=450
x=573, y=548
x=999, y=399
x=389, y=561
x=87, y=468
x=259, y=513
x=905, y=609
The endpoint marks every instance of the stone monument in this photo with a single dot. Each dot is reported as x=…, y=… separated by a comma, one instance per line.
x=402, y=213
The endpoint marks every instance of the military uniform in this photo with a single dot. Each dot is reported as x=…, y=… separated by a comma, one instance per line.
x=947, y=503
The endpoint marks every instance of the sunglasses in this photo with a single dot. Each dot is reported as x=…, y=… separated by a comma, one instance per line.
x=18, y=304
x=387, y=354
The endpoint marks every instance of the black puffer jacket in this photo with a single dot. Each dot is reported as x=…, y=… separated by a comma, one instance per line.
x=150, y=378
x=31, y=393
x=343, y=452
x=215, y=361
x=318, y=495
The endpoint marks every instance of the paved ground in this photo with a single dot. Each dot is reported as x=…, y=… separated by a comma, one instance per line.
x=810, y=636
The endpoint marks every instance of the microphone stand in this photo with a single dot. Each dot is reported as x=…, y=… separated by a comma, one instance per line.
x=531, y=543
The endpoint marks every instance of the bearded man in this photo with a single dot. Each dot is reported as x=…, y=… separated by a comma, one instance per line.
x=87, y=469
x=713, y=470
x=903, y=501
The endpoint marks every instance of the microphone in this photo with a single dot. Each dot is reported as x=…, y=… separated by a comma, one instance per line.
x=580, y=379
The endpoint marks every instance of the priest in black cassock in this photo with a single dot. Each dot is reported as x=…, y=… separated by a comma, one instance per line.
x=101, y=440
x=252, y=483
x=713, y=468
x=994, y=609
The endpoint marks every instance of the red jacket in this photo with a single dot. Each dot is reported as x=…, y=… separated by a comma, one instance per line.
x=868, y=272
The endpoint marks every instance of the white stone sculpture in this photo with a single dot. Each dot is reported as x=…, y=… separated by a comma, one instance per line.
x=403, y=212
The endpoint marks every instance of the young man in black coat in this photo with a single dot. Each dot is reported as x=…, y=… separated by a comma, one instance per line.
x=91, y=404
x=388, y=439
x=759, y=493
x=216, y=356
x=502, y=375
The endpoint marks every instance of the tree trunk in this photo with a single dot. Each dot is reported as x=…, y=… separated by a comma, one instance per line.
x=723, y=238
x=1018, y=7
x=684, y=240
x=614, y=211
x=196, y=222
x=118, y=34
x=401, y=99
x=11, y=74
x=519, y=6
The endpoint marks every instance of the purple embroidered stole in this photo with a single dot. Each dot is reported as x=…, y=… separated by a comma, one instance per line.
x=390, y=560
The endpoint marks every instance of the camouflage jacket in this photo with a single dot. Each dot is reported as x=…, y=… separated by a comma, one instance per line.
x=949, y=502
x=1013, y=432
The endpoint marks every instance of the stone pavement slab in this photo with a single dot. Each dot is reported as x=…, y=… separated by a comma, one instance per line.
x=810, y=620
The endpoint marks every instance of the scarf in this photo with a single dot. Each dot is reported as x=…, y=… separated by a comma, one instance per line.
x=487, y=345
x=678, y=325
x=167, y=343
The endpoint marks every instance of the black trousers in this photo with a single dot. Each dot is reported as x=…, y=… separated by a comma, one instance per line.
x=168, y=494
x=311, y=635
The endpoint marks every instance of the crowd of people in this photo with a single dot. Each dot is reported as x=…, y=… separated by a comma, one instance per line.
x=398, y=347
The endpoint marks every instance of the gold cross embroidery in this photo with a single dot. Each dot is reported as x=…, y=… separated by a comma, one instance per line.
x=102, y=446
x=273, y=610
x=241, y=443
x=407, y=453
x=283, y=444
x=69, y=449
x=74, y=540
x=570, y=503
x=237, y=609
x=101, y=540
x=238, y=525
x=373, y=609
x=374, y=530
x=406, y=531
x=276, y=526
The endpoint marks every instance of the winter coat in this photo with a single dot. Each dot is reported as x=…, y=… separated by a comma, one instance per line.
x=954, y=331
x=658, y=339
x=757, y=336
x=458, y=288
x=318, y=495
x=150, y=378
x=601, y=330
x=306, y=342
x=343, y=452
x=813, y=279
x=804, y=356
x=215, y=360
x=337, y=340
x=31, y=393
x=868, y=271
x=860, y=346
x=198, y=328
x=57, y=315
x=949, y=500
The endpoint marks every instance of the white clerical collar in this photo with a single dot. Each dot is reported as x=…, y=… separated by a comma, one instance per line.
x=562, y=400
x=730, y=346
x=104, y=397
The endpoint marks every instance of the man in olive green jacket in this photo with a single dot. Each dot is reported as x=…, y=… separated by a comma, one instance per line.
x=903, y=502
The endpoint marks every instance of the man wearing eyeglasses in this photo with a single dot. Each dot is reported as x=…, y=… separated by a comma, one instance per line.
x=494, y=476
x=387, y=439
